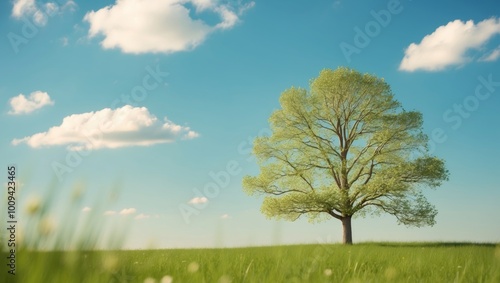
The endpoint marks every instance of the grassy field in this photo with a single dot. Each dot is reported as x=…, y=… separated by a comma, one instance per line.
x=366, y=262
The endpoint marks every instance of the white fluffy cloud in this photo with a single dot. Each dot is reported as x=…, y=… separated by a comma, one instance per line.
x=22, y=7
x=142, y=216
x=127, y=211
x=108, y=128
x=22, y=105
x=448, y=45
x=198, y=200
x=158, y=26
x=492, y=56
x=38, y=11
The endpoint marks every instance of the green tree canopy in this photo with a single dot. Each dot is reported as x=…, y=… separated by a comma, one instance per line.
x=345, y=147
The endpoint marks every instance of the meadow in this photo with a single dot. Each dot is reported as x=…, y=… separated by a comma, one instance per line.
x=364, y=262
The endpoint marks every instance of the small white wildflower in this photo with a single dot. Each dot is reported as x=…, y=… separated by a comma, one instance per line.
x=193, y=267
x=110, y=263
x=390, y=273
x=167, y=279
x=149, y=280
x=225, y=279
x=33, y=205
x=327, y=272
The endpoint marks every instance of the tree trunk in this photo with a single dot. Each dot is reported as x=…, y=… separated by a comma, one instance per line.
x=347, y=230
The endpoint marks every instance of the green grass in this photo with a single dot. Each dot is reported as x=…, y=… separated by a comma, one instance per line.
x=365, y=262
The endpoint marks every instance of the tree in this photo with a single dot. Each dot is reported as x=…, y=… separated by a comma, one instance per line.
x=345, y=148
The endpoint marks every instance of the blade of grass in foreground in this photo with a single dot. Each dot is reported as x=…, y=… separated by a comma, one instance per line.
x=55, y=246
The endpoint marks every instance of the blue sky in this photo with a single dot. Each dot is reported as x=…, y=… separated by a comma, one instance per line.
x=157, y=97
